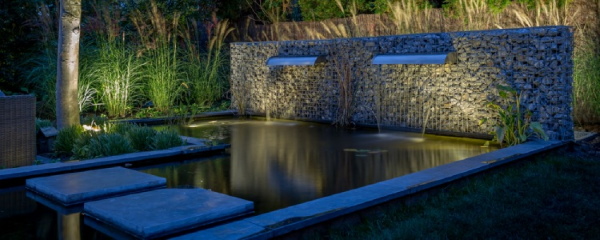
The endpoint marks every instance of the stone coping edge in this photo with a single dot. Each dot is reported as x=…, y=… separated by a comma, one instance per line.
x=158, y=121
x=286, y=220
x=62, y=167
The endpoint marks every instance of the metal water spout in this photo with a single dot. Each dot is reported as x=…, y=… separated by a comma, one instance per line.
x=295, y=60
x=415, y=58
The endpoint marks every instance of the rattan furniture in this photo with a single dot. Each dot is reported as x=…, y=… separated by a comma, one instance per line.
x=17, y=131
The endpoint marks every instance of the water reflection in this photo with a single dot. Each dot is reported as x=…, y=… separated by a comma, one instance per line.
x=23, y=218
x=26, y=216
x=70, y=226
x=282, y=163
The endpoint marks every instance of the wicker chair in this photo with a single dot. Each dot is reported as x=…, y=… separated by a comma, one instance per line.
x=17, y=131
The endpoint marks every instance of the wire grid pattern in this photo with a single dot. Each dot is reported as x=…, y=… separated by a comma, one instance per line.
x=444, y=98
x=17, y=131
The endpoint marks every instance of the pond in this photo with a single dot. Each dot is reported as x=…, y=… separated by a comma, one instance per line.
x=275, y=164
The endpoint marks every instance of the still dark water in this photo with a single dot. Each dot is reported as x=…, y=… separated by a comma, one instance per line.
x=276, y=164
x=272, y=163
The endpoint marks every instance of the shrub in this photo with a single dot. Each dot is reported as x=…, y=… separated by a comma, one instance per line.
x=107, y=145
x=166, y=139
x=114, y=139
x=141, y=137
x=66, y=138
x=118, y=128
x=81, y=149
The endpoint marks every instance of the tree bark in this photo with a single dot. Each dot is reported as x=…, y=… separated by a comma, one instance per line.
x=67, y=76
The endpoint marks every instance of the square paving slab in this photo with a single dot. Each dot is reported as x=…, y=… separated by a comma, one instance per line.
x=166, y=211
x=75, y=188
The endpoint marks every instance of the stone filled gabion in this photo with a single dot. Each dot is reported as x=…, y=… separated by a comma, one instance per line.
x=450, y=97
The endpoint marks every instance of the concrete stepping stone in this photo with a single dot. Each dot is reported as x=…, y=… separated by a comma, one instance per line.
x=163, y=212
x=79, y=187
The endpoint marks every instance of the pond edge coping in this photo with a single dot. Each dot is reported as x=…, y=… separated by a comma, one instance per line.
x=77, y=165
x=286, y=220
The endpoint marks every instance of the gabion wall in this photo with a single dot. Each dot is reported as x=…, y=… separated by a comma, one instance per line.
x=444, y=98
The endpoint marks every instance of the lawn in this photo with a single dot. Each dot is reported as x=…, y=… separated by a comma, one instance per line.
x=551, y=196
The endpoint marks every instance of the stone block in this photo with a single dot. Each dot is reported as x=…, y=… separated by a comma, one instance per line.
x=75, y=188
x=163, y=212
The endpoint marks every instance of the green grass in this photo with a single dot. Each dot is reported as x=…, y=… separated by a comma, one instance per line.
x=206, y=73
x=118, y=74
x=555, y=196
x=586, y=85
x=162, y=80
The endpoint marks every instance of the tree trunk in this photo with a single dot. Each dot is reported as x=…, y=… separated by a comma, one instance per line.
x=67, y=76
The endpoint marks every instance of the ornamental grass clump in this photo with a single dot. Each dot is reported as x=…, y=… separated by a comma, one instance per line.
x=158, y=36
x=118, y=128
x=66, y=139
x=92, y=141
x=205, y=75
x=586, y=84
x=514, y=125
x=166, y=139
x=140, y=137
x=118, y=74
x=108, y=145
x=81, y=146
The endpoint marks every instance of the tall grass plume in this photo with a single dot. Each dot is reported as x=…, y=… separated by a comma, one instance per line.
x=159, y=52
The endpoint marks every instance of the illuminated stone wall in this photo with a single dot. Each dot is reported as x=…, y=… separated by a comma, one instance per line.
x=448, y=98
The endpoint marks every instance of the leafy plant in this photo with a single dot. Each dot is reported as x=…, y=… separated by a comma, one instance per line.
x=108, y=145
x=514, y=124
x=115, y=138
x=148, y=113
x=81, y=149
x=66, y=138
x=140, y=137
x=118, y=128
x=166, y=139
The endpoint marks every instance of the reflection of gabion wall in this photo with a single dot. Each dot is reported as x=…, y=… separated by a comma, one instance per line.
x=447, y=98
